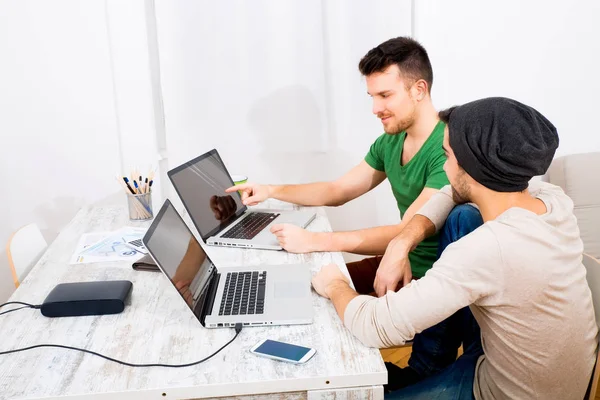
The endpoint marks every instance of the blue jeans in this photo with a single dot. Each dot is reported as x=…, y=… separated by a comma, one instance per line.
x=453, y=383
x=435, y=349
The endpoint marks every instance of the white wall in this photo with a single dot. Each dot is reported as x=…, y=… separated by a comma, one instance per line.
x=543, y=53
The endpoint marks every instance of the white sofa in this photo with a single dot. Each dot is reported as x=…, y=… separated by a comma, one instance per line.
x=579, y=176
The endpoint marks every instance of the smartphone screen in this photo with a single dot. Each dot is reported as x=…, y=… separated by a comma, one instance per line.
x=282, y=350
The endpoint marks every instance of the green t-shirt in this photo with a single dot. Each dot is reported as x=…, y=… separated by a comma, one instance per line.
x=425, y=169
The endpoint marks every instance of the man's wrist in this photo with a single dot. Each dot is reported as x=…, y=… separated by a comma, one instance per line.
x=271, y=190
x=335, y=287
x=321, y=241
x=399, y=247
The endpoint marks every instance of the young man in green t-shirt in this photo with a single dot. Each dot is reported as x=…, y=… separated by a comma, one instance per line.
x=409, y=154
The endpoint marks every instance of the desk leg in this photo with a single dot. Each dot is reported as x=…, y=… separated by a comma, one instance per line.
x=358, y=393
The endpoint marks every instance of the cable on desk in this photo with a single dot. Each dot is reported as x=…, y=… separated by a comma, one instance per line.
x=25, y=305
x=238, y=329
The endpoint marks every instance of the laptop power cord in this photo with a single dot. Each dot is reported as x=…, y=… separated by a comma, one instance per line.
x=25, y=305
x=238, y=329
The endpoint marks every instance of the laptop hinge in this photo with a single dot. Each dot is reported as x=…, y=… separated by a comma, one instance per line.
x=210, y=298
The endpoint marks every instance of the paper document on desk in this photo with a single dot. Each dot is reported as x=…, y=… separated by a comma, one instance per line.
x=107, y=246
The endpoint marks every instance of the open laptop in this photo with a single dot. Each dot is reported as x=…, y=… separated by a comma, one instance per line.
x=221, y=218
x=222, y=297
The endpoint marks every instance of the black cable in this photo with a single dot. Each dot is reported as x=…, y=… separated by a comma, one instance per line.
x=25, y=305
x=238, y=329
x=20, y=302
x=14, y=309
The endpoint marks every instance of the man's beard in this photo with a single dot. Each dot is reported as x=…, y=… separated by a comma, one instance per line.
x=403, y=124
x=458, y=199
x=400, y=126
x=461, y=193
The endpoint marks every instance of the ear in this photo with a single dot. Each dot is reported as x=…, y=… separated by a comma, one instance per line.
x=419, y=90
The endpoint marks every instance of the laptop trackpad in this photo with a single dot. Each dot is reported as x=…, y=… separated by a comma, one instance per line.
x=287, y=290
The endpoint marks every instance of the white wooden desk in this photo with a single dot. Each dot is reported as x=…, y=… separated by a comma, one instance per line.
x=156, y=326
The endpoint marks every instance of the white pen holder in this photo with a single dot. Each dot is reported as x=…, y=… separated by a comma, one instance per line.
x=140, y=206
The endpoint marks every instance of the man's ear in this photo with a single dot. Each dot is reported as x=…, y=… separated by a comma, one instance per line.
x=419, y=90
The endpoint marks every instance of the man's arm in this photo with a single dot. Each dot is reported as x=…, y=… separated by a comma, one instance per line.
x=394, y=267
x=375, y=240
x=353, y=184
x=332, y=284
x=365, y=241
x=432, y=206
x=459, y=278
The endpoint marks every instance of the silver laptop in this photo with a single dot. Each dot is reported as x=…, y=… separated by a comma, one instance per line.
x=222, y=297
x=221, y=218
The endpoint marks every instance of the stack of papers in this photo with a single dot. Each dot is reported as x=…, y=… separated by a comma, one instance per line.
x=107, y=246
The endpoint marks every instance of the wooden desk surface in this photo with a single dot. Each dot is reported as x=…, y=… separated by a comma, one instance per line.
x=156, y=326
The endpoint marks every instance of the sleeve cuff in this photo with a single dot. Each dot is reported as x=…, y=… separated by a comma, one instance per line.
x=438, y=207
x=373, y=163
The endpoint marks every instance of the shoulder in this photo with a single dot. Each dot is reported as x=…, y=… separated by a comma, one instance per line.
x=434, y=145
x=437, y=137
x=550, y=193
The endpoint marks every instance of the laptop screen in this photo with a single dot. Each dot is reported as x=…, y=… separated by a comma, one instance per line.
x=180, y=256
x=200, y=184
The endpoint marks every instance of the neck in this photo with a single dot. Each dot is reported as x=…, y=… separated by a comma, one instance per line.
x=426, y=119
x=491, y=204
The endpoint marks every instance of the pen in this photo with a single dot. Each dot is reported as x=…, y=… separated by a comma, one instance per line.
x=128, y=186
x=120, y=180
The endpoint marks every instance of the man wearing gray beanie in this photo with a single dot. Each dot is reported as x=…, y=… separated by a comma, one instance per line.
x=520, y=273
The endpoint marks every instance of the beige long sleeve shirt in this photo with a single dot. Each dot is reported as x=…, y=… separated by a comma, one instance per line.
x=522, y=276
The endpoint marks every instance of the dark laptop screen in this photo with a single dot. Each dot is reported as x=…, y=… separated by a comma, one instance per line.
x=200, y=184
x=181, y=257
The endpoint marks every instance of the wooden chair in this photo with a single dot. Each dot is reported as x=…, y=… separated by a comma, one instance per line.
x=592, y=267
x=24, y=249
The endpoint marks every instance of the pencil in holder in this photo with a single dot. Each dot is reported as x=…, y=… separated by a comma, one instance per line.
x=140, y=206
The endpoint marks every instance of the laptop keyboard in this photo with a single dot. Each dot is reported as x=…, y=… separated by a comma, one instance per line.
x=250, y=226
x=137, y=243
x=244, y=293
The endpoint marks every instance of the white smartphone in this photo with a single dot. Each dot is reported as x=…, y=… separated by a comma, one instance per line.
x=282, y=351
